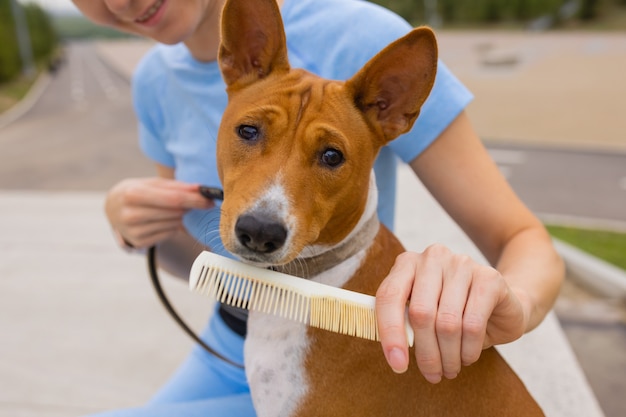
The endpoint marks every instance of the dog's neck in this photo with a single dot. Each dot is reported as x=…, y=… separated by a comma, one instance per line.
x=315, y=259
x=307, y=267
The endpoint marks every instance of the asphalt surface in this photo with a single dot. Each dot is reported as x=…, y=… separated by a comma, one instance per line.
x=80, y=136
x=584, y=184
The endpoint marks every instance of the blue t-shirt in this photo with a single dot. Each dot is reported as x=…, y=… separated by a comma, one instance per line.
x=179, y=101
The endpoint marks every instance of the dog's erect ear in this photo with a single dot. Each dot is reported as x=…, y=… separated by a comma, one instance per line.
x=391, y=88
x=253, y=42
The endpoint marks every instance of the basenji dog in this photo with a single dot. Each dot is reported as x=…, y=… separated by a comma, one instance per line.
x=295, y=154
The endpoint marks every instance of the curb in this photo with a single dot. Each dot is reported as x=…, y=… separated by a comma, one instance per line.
x=26, y=103
x=583, y=222
x=593, y=273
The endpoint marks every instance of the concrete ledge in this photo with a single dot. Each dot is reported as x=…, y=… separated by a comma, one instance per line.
x=593, y=273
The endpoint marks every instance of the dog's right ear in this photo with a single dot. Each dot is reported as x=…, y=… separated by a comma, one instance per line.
x=253, y=42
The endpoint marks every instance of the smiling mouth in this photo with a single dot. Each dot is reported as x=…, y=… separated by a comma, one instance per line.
x=151, y=12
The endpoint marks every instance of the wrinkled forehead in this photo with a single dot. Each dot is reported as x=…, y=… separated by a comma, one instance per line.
x=299, y=99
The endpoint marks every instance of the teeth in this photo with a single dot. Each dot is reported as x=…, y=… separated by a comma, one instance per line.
x=151, y=11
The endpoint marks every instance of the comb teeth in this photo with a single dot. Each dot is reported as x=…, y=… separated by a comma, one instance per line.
x=312, y=303
x=251, y=294
x=344, y=317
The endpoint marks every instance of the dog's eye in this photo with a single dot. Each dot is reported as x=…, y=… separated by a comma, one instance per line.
x=331, y=157
x=248, y=132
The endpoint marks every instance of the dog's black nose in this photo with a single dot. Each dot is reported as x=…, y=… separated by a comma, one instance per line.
x=260, y=234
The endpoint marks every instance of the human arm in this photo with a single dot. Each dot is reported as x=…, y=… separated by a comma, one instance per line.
x=456, y=305
x=148, y=211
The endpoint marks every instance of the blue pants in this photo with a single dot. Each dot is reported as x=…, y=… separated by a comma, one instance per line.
x=203, y=386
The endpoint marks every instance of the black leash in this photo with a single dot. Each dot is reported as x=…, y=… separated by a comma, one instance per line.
x=212, y=193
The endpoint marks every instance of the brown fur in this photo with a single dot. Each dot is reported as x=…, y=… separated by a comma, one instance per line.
x=298, y=115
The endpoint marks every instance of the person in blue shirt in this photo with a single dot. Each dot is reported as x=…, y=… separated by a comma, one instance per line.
x=457, y=306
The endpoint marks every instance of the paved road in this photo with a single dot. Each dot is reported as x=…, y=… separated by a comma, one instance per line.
x=80, y=135
x=566, y=182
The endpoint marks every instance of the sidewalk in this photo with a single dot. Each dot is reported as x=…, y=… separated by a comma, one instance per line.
x=82, y=330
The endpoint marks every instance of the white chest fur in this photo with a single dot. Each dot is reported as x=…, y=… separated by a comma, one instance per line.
x=275, y=351
x=274, y=358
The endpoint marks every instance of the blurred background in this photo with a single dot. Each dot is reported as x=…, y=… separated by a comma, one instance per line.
x=549, y=79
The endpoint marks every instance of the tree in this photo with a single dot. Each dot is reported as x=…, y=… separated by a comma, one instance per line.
x=10, y=64
x=43, y=39
x=589, y=9
x=42, y=34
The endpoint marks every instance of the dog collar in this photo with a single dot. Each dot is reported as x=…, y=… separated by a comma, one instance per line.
x=307, y=267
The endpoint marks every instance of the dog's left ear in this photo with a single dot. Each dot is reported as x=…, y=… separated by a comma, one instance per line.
x=253, y=42
x=391, y=88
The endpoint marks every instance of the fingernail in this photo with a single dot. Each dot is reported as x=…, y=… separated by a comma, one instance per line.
x=433, y=378
x=451, y=375
x=397, y=360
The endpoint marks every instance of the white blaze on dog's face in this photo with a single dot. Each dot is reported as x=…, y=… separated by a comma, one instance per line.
x=294, y=150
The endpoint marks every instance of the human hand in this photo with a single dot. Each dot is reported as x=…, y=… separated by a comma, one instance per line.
x=145, y=211
x=456, y=306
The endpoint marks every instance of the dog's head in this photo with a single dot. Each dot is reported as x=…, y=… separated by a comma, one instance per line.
x=295, y=151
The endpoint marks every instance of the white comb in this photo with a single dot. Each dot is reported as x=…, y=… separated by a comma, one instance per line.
x=312, y=303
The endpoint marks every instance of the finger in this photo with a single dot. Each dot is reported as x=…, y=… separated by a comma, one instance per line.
x=449, y=324
x=150, y=234
x=391, y=299
x=177, y=199
x=164, y=193
x=508, y=320
x=423, y=313
x=208, y=193
x=154, y=239
x=482, y=299
x=136, y=216
x=171, y=183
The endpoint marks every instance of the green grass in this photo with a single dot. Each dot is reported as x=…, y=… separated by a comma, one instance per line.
x=13, y=91
x=606, y=245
